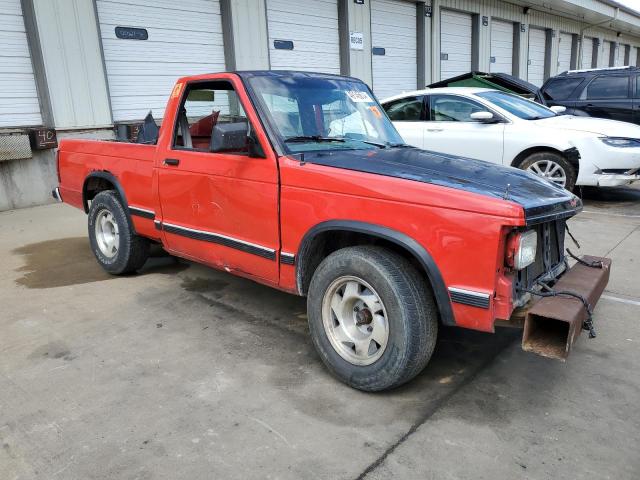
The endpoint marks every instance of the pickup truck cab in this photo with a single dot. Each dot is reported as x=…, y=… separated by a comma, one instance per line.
x=299, y=181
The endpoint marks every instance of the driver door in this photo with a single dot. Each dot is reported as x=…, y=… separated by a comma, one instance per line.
x=218, y=201
x=450, y=129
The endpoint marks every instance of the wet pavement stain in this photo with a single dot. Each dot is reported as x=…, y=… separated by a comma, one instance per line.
x=58, y=263
x=202, y=285
x=70, y=261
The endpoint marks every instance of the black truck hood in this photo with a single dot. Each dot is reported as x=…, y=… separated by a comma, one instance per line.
x=541, y=200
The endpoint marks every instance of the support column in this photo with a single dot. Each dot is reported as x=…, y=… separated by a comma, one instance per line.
x=244, y=29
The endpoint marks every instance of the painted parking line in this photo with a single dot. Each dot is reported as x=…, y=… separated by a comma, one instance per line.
x=608, y=214
x=622, y=300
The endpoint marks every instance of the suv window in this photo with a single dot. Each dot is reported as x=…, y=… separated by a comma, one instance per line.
x=609, y=86
x=561, y=88
x=406, y=109
x=449, y=108
x=205, y=108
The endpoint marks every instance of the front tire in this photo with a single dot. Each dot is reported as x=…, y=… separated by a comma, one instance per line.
x=552, y=166
x=115, y=246
x=372, y=317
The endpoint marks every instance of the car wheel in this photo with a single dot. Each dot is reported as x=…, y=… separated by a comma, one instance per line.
x=372, y=317
x=552, y=166
x=115, y=246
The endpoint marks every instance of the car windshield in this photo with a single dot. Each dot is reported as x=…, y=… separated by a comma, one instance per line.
x=321, y=113
x=518, y=106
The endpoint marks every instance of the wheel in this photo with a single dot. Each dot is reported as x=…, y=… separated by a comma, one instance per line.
x=372, y=317
x=551, y=166
x=117, y=249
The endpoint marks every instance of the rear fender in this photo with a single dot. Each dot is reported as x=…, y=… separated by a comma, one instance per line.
x=108, y=176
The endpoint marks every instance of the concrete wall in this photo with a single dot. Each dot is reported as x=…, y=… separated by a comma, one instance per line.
x=28, y=182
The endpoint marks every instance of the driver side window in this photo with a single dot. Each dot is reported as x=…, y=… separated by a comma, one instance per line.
x=450, y=108
x=211, y=119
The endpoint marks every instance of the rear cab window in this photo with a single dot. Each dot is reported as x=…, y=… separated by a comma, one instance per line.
x=606, y=87
x=561, y=88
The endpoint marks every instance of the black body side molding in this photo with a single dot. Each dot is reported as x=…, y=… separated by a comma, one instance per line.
x=426, y=261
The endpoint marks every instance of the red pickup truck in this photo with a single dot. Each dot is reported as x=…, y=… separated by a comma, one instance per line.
x=300, y=181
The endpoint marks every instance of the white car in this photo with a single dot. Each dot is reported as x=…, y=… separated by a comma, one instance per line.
x=503, y=128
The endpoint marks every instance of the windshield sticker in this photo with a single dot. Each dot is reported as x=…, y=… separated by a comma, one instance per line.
x=177, y=90
x=357, y=96
x=375, y=111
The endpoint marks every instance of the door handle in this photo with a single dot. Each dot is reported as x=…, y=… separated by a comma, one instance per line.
x=434, y=129
x=171, y=161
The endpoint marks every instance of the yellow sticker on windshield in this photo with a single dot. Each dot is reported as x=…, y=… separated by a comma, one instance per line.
x=177, y=90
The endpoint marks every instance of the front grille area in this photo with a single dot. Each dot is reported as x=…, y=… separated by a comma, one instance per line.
x=549, y=255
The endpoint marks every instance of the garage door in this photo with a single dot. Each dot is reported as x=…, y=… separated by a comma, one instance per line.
x=183, y=39
x=587, y=53
x=606, y=54
x=18, y=96
x=537, y=44
x=455, y=43
x=564, y=52
x=303, y=35
x=394, y=41
x=501, y=46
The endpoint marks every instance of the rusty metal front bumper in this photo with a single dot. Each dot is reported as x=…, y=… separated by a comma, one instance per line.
x=552, y=324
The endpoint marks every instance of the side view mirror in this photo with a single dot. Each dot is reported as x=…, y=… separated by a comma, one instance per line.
x=229, y=137
x=558, y=109
x=253, y=144
x=482, y=116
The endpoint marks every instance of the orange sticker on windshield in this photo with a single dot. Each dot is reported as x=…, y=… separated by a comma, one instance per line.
x=177, y=90
x=375, y=111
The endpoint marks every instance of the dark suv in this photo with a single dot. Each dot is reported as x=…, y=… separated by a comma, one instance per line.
x=612, y=93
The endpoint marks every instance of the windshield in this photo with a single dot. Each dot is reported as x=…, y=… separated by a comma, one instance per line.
x=518, y=106
x=319, y=113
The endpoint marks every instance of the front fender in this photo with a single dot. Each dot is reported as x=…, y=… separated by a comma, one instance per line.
x=402, y=240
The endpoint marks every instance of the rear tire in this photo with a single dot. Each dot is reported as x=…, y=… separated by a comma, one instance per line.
x=372, y=317
x=552, y=166
x=115, y=246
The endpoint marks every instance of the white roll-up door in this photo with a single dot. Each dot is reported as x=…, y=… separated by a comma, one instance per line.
x=620, y=52
x=19, y=105
x=564, y=52
x=536, y=56
x=633, y=56
x=606, y=54
x=455, y=43
x=394, y=42
x=184, y=38
x=501, y=46
x=303, y=35
x=587, y=52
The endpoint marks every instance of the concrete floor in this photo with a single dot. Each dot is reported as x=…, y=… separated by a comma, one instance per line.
x=183, y=372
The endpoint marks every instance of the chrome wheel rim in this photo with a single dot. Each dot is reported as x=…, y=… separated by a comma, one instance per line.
x=355, y=320
x=107, y=234
x=550, y=170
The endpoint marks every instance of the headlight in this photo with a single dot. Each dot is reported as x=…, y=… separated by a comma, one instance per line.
x=620, y=141
x=521, y=249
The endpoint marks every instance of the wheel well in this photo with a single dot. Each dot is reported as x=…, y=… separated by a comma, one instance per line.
x=327, y=242
x=529, y=151
x=93, y=186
